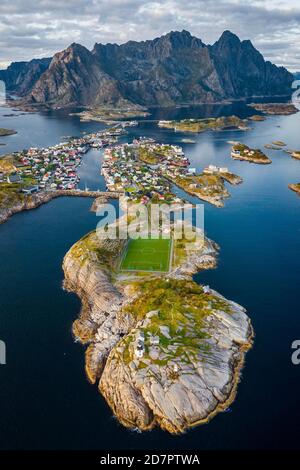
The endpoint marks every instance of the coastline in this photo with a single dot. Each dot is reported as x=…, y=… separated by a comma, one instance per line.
x=36, y=200
x=251, y=160
x=295, y=188
x=216, y=200
x=7, y=132
x=242, y=152
x=30, y=107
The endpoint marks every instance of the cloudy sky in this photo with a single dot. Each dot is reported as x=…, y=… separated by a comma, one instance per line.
x=39, y=28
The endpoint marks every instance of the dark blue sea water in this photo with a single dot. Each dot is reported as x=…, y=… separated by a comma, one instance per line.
x=45, y=399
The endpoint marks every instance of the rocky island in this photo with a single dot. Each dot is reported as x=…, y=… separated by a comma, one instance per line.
x=295, y=187
x=6, y=132
x=280, y=109
x=243, y=152
x=200, y=125
x=108, y=115
x=257, y=117
x=209, y=185
x=163, y=350
x=294, y=154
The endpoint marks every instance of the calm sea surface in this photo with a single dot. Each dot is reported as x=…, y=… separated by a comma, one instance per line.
x=45, y=399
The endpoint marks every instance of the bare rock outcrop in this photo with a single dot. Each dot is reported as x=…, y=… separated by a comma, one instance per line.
x=25, y=203
x=185, y=390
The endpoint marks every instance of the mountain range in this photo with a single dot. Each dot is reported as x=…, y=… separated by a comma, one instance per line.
x=174, y=69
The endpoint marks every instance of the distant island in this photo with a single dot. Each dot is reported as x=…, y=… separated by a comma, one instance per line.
x=295, y=187
x=201, y=125
x=5, y=132
x=294, y=154
x=107, y=115
x=244, y=153
x=281, y=109
x=276, y=145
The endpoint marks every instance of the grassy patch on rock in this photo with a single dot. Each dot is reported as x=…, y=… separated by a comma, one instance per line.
x=201, y=125
x=174, y=311
x=104, y=252
x=10, y=195
x=4, y=132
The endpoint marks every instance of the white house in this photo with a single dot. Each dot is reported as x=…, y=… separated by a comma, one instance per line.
x=192, y=170
x=139, y=352
x=223, y=169
x=14, y=178
x=154, y=340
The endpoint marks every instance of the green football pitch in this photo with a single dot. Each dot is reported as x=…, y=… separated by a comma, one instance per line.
x=147, y=255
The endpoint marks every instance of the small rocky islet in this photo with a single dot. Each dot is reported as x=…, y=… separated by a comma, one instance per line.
x=242, y=152
x=222, y=123
x=275, y=109
x=32, y=177
x=110, y=115
x=295, y=187
x=294, y=154
x=6, y=132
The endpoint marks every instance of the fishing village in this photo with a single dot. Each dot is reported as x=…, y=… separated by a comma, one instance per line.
x=54, y=167
x=146, y=170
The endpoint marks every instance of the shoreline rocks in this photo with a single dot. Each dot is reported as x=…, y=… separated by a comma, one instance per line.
x=28, y=203
x=36, y=200
x=278, y=109
x=7, y=132
x=242, y=152
x=295, y=188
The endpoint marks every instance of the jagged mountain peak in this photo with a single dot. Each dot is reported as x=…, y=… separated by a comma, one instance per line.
x=77, y=47
x=174, y=38
x=175, y=68
x=227, y=40
x=248, y=44
x=20, y=77
x=182, y=39
x=72, y=49
x=227, y=35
